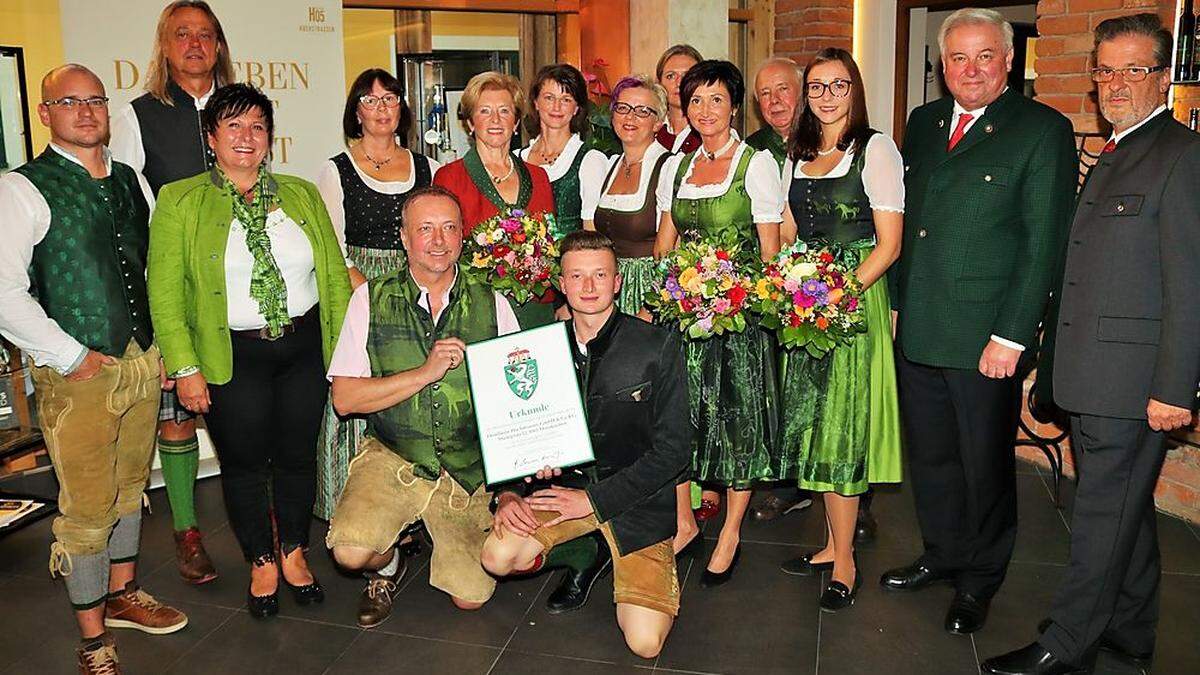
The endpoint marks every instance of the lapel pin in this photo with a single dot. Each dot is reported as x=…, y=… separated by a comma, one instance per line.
x=941, y=123
x=988, y=128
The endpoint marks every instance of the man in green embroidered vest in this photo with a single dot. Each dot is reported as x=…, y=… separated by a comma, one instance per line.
x=777, y=90
x=73, y=296
x=399, y=360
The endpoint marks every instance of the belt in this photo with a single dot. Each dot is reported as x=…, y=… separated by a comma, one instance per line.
x=294, y=324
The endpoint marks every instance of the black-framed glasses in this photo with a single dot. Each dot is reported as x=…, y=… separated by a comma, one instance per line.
x=1130, y=74
x=639, y=111
x=839, y=88
x=373, y=101
x=72, y=103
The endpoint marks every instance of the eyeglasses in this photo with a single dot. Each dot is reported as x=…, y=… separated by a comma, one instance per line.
x=638, y=111
x=385, y=101
x=838, y=88
x=72, y=103
x=1130, y=74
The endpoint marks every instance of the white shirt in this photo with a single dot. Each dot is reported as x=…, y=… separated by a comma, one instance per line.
x=350, y=357
x=762, y=183
x=591, y=171
x=24, y=221
x=959, y=111
x=635, y=200
x=293, y=254
x=329, y=184
x=126, y=134
x=882, y=175
x=1116, y=138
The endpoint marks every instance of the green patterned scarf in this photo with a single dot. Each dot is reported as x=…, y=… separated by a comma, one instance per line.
x=267, y=287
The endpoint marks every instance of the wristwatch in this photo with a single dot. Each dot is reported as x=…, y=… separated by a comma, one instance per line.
x=184, y=372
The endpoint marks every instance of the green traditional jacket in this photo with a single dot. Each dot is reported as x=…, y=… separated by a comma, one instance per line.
x=89, y=271
x=188, y=236
x=435, y=428
x=766, y=139
x=984, y=227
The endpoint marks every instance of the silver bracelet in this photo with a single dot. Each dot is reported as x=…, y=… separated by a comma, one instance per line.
x=185, y=371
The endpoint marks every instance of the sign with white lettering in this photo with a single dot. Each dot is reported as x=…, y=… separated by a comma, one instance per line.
x=527, y=403
x=291, y=50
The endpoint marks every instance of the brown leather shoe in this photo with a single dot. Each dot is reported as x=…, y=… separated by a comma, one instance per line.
x=99, y=658
x=375, y=606
x=192, y=560
x=137, y=609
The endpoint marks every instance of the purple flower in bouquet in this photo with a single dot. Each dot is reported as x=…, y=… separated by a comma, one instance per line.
x=672, y=286
x=517, y=213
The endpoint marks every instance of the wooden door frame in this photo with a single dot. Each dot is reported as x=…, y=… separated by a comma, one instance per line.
x=900, y=77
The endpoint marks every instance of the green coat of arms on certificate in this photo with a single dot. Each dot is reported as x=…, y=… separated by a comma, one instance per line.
x=521, y=373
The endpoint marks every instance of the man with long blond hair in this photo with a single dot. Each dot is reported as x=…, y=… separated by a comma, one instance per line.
x=158, y=134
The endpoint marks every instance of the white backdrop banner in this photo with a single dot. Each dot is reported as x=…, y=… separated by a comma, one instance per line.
x=291, y=49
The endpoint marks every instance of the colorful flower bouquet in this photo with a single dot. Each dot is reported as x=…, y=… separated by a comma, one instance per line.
x=514, y=253
x=810, y=298
x=703, y=289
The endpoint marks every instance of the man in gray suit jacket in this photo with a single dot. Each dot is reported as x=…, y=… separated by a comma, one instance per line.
x=1128, y=354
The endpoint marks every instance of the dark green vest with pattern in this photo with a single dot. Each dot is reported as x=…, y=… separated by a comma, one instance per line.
x=89, y=271
x=435, y=429
x=568, y=205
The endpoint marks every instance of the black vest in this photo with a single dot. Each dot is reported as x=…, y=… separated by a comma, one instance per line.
x=373, y=218
x=171, y=138
x=836, y=210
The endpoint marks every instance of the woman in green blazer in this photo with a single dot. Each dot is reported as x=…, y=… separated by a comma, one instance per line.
x=248, y=287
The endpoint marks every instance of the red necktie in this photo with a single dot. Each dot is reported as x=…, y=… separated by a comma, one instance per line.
x=1110, y=146
x=960, y=130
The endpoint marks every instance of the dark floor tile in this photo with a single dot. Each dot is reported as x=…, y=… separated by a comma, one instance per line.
x=896, y=516
x=1042, y=536
x=762, y=621
x=382, y=653
x=1024, y=600
x=517, y=663
x=424, y=611
x=227, y=590
x=26, y=552
x=804, y=527
x=1178, y=649
x=590, y=633
x=40, y=636
x=893, y=633
x=158, y=541
x=277, y=645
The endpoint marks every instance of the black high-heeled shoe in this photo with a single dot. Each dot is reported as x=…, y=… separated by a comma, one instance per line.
x=262, y=606
x=713, y=579
x=308, y=593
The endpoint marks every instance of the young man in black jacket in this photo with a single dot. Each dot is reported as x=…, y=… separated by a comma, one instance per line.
x=635, y=385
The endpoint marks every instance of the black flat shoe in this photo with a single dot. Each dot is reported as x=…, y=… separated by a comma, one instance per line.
x=1030, y=660
x=308, y=593
x=804, y=566
x=573, y=591
x=912, y=577
x=714, y=579
x=262, y=606
x=967, y=613
x=837, y=596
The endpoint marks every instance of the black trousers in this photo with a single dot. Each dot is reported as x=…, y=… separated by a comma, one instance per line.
x=264, y=424
x=959, y=428
x=1111, y=583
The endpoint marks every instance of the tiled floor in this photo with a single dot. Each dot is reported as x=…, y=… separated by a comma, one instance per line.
x=761, y=622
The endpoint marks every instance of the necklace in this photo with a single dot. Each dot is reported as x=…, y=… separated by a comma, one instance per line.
x=826, y=153
x=548, y=158
x=378, y=163
x=710, y=156
x=498, y=180
x=627, y=166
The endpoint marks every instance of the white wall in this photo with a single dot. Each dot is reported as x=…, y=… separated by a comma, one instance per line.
x=875, y=51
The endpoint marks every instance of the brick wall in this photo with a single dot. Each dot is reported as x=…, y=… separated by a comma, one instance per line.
x=803, y=27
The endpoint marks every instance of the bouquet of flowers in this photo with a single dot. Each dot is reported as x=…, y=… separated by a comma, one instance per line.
x=810, y=298
x=514, y=253
x=702, y=288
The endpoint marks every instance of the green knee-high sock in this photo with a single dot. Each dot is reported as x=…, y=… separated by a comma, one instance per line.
x=180, y=464
x=578, y=554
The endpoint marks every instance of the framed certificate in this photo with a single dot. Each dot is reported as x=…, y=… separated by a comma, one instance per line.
x=527, y=403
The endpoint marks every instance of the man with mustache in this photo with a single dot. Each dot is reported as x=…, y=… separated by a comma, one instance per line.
x=73, y=297
x=989, y=181
x=158, y=134
x=399, y=361
x=1127, y=355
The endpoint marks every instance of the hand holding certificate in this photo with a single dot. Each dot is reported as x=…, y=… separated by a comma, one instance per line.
x=527, y=403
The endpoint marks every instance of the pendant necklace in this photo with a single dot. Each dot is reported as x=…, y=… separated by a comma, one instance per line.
x=378, y=163
x=500, y=179
x=710, y=156
x=548, y=158
x=627, y=166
